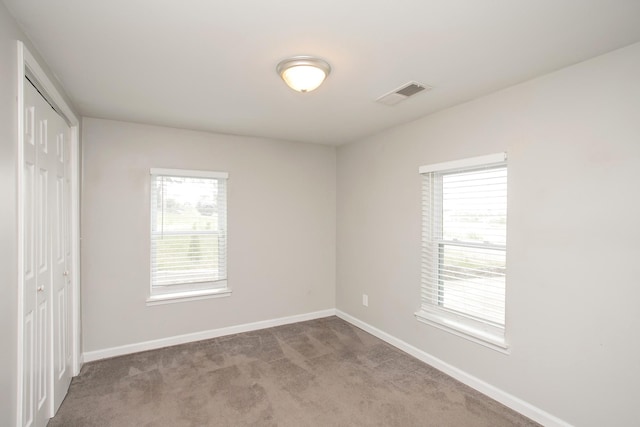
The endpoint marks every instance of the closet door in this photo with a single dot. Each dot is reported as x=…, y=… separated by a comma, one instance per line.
x=61, y=260
x=46, y=299
x=37, y=260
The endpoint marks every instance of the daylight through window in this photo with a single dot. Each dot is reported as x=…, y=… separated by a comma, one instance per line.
x=188, y=233
x=464, y=247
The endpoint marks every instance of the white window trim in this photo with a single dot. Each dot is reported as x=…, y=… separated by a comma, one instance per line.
x=222, y=289
x=487, y=160
x=187, y=296
x=488, y=338
x=189, y=173
x=457, y=324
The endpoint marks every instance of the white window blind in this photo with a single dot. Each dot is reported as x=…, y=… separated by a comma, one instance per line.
x=188, y=231
x=464, y=216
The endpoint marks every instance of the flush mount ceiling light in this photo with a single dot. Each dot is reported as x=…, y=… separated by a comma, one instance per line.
x=303, y=73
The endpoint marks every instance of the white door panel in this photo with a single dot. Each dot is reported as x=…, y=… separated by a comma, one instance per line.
x=46, y=323
x=29, y=221
x=61, y=323
x=37, y=272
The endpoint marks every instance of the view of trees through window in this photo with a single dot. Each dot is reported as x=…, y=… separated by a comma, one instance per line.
x=187, y=239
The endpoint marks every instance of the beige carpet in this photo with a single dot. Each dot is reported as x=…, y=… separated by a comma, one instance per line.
x=322, y=372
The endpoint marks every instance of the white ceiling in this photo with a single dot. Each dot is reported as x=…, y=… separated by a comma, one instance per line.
x=210, y=64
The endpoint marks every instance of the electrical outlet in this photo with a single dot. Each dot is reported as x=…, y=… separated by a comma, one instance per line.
x=365, y=300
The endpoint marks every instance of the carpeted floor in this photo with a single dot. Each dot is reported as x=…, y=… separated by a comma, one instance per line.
x=323, y=372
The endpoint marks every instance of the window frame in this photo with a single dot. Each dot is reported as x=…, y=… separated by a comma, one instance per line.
x=181, y=292
x=484, y=332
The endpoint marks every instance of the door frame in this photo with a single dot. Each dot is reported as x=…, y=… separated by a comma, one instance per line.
x=28, y=66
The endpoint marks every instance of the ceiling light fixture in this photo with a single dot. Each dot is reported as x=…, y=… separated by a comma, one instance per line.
x=303, y=73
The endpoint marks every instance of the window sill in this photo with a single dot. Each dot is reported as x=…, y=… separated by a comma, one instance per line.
x=494, y=341
x=187, y=296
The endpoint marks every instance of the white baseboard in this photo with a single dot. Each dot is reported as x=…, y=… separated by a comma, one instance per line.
x=79, y=365
x=495, y=393
x=90, y=356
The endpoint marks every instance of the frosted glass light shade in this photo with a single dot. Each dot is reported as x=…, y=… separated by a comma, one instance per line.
x=303, y=73
x=303, y=78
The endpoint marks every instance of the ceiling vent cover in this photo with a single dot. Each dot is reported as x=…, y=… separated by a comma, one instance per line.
x=402, y=93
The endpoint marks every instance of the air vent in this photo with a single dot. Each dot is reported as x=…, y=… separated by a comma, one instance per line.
x=402, y=93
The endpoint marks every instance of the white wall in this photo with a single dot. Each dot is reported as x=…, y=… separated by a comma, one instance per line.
x=10, y=33
x=573, y=141
x=281, y=222
x=8, y=217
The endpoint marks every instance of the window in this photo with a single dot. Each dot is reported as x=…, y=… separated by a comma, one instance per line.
x=188, y=234
x=464, y=227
